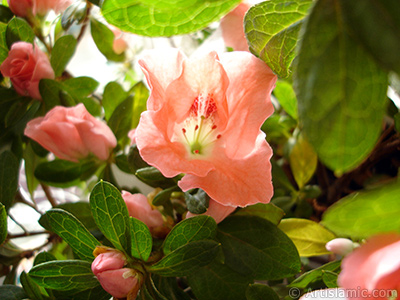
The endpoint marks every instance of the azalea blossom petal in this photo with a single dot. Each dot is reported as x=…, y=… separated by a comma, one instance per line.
x=237, y=182
x=215, y=210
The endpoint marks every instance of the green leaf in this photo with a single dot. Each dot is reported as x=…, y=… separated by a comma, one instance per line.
x=72, y=231
x=340, y=89
x=64, y=275
x=50, y=91
x=97, y=293
x=197, y=203
x=111, y=215
x=274, y=256
x=9, y=170
x=3, y=42
x=163, y=17
x=260, y=292
x=267, y=211
x=362, y=214
x=141, y=94
x=62, y=52
x=80, y=210
x=376, y=25
x=19, y=30
x=272, y=29
x=80, y=87
x=12, y=292
x=286, y=96
x=164, y=196
x=31, y=288
x=5, y=14
x=3, y=223
x=42, y=257
x=121, y=120
x=142, y=241
x=308, y=236
x=217, y=281
x=149, y=175
x=330, y=279
x=186, y=259
x=190, y=230
x=113, y=95
x=168, y=286
x=104, y=38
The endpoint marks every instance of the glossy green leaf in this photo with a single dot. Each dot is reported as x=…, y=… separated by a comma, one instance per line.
x=64, y=275
x=163, y=17
x=341, y=91
x=31, y=288
x=190, y=230
x=42, y=257
x=164, y=196
x=71, y=230
x=113, y=95
x=12, y=292
x=9, y=170
x=3, y=42
x=197, y=203
x=308, y=236
x=274, y=256
x=221, y=283
x=62, y=52
x=3, y=224
x=266, y=211
x=149, y=175
x=365, y=213
x=142, y=241
x=19, y=30
x=111, y=215
x=80, y=210
x=272, y=29
x=186, y=259
x=260, y=292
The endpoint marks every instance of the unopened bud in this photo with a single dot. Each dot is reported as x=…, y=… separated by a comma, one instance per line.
x=340, y=246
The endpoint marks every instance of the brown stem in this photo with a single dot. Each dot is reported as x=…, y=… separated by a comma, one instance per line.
x=15, y=236
x=49, y=196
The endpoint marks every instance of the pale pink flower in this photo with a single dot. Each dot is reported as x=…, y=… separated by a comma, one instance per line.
x=72, y=133
x=373, y=268
x=26, y=65
x=23, y=8
x=218, y=211
x=203, y=119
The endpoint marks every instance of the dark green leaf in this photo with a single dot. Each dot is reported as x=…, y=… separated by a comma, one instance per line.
x=81, y=210
x=111, y=215
x=97, y=293
x=19, y=30
x=339, y=88
x=272, y=29
x=142, y=241
x=267, y=211
x=113, y=95
x=274, y=256
x=64, y=275
x=9, y=170
x=165, y=18
x=121, y=120
x=151, y=175
x=122, y=163
x=365, y=213
x=3, y=43
x=186, y=259
x=42, y=257
x=135, y=161
x=260, y=292
x=62, y=52
x=50, y=92
x=12, y=292
x=190, y=230
x=3, y=223
x=5, y=14
x=71, y=230
x=164, y=196
x=168, y=286
x=30, y=287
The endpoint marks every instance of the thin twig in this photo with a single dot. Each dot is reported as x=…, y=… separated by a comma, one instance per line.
x=18, y=223
x=49, y=196
x=15, y=236
x=20, y=198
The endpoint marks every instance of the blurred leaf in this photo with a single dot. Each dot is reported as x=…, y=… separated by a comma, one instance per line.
x=62, y=52
x=272, y=29
x=260, y=292
x=362, y=214
x=31, y=161
x=267, y=211
x=12, y=292
x=80, y=87
x=3, y=224
x=142, y=241
x=50, y=92
x=113, y=95
x=64, y=275
x=104, y=38
x=330, y=279
x=163, y=17
x=75, y=13
x=186, y=259
x=164, y=196
x=80, y=210
x=308, y=236
x=169, y=286
x=19, y=30
x=286, y=96
x=190, y=230
x=141, y=94
x=122, y=163
x=15, y=113
x=5, y=14
x=376, y=25
x=220, y=281
x=340, y=89
x=3, y=42
x=272, y=257
x=71, y=230
x=9, y=171
x=151, y=175
x=121, y=120
x=198, y=202
x=31, y=288
x=111, y=215
x=303, y=161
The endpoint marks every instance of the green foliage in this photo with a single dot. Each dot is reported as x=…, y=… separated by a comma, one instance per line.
x=9, y=169
x=12, y=292
x=260, y=292
x=113, y=95
x=5, y=14
x=19, y=30
x=163, y=17
x=141, y=239
x=365, y=213
x=149, y=175
x=3, y=223
x=63, y=50
x=272, y=29
x=3, y=43
x=197, y=203
x=286, y=97
x=340, y=88
x=267, y=211
x=30, y=287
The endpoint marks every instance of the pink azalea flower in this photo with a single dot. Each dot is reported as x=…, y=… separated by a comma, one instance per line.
x=203, y=119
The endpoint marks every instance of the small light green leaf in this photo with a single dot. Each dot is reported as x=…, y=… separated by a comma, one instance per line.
x=111, y=215
x=3, y=223
x=186, y=259
x=3, y=42
x=330, y=279
x=267, y=211
x=141, y=94
x=63, y=50
x=272, y=257
x=286, y=96
x=260, y=292
x=19, y=30
x=341, y=91
x=113, y=95
x=142, y=241
x=308, y=236
x=31, y=288
x=80, y=87
x=362, y=214
x=164, y=17
x=9, y=170
x=64, y=275
x=190, y=230
x=272, y=29
x=12, y=292
x=72, y=231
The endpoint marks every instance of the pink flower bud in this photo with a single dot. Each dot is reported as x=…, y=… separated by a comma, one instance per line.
x=26, y=65
x=71, y=133
x=340, y=246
